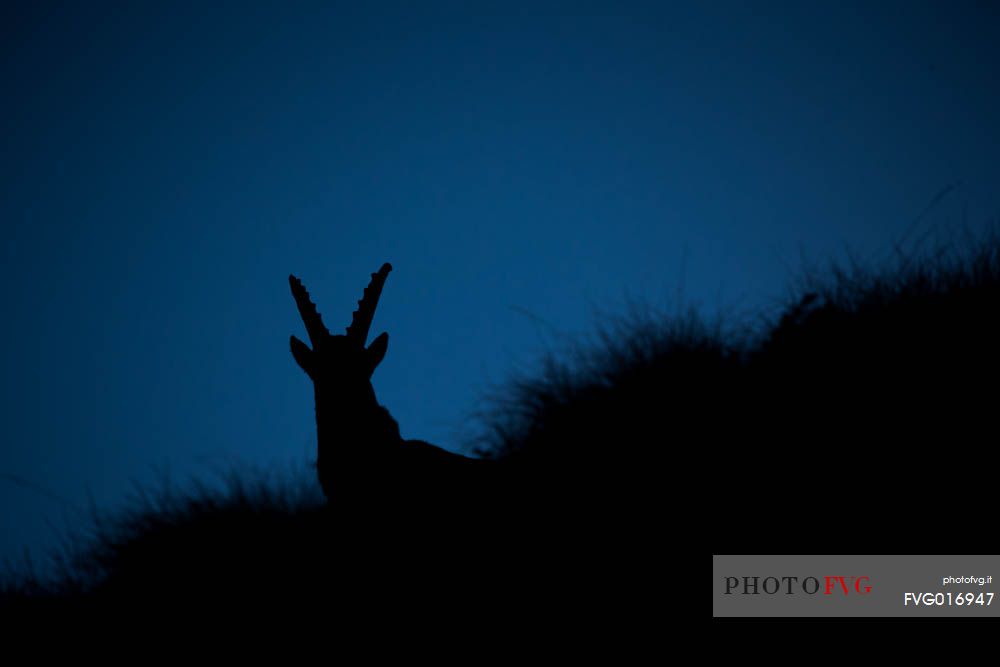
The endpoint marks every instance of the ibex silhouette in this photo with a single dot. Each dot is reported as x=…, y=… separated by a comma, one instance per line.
x=360, y=450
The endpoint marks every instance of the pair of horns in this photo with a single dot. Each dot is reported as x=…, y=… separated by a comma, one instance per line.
x=361, y=319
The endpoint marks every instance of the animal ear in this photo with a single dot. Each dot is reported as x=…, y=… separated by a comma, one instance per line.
x=376, y=351
x=303, y=355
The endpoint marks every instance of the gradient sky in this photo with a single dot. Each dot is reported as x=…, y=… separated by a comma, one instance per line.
x=166, y=166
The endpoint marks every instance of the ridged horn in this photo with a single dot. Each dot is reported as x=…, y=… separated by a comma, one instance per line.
x=361, y=319
x=307, y=309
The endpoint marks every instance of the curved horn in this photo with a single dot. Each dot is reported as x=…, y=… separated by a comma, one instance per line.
x=310, y=317
x=361, y=319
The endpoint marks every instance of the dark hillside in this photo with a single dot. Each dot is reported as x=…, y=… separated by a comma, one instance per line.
x=860, y=421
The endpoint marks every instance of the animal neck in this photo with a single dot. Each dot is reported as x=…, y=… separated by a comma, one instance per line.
x=354, y=419
x=354, y=433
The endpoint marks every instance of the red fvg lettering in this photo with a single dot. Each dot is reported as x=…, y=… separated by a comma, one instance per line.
x=859, y=584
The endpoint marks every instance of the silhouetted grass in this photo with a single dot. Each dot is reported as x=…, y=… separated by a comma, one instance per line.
x=192, y=534
x=857, y=420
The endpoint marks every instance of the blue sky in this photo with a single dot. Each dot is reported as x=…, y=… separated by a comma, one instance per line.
x=165, y=166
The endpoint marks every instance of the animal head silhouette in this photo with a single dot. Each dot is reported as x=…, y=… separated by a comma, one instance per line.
x=340, y=359
x=361, y=456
